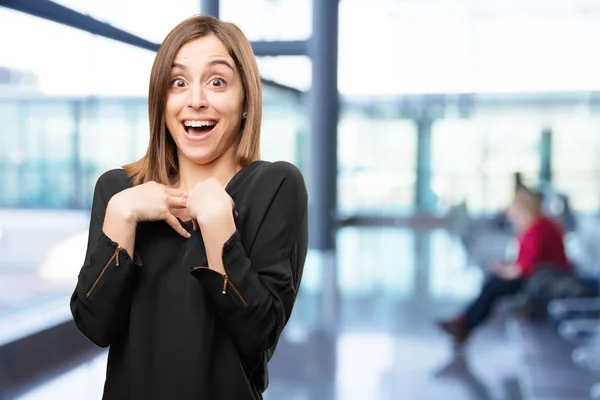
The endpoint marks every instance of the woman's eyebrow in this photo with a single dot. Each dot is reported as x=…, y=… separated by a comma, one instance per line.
x=181, y=66
x=218, y=61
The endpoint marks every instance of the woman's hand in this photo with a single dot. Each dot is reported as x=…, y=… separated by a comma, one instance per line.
x=209, y=203
x=211, y=210
x=508, y=271
x=150, y=201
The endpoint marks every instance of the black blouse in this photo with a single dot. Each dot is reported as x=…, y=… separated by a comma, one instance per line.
x=178, y=330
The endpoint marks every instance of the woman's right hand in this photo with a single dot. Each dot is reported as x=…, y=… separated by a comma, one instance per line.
x=150, y=201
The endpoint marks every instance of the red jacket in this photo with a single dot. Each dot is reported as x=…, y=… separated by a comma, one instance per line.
x=541, y=243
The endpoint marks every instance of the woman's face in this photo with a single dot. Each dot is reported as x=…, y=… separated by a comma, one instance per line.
x=515, y=214
x=204, y=101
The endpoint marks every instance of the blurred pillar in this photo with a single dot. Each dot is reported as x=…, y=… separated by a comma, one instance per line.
x=423, y=261
x=424, y=201
x=323, y=107
x=323, y=111
x=210, y=7
x=546, y=156
x=78, y=198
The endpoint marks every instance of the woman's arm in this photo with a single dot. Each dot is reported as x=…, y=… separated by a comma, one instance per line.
x=254, y=295
x=120, y=225
x=101, y=300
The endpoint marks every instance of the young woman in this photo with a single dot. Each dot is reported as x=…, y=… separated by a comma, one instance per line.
x=196, y=251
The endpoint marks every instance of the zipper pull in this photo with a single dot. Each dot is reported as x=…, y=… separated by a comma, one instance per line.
x=117, y=255
x=225, y=279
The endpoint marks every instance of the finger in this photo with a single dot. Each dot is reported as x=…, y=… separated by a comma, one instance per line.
x=171, y=220
x=176, y=192
x=176, y=202
x=233, y=208
x=195, y=225
x=169, y=188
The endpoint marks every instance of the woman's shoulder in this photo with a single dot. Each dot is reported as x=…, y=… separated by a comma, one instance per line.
x=113, y=181
x=270, y=171
x=265, y=179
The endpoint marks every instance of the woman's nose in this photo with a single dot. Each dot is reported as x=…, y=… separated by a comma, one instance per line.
x=197, y=98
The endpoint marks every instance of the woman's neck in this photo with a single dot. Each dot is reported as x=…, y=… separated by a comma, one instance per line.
x=222, y=169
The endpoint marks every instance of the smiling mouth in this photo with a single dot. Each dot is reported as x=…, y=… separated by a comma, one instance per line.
x=198, y=128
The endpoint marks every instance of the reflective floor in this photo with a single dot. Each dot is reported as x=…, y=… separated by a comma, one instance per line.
x=371, y=335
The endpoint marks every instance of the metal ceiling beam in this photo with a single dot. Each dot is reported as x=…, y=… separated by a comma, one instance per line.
x=55, y=12
x=63, y=15
x=287, y=48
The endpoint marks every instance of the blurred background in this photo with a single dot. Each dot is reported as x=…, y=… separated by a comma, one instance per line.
x=409, y=120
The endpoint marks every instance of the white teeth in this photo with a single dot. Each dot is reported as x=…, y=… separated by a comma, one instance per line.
x=197, y=124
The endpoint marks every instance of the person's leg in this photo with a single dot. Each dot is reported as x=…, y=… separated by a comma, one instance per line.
x=494, y=289
x=461, y=326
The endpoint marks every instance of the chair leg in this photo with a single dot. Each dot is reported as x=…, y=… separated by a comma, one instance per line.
x=587, y=356
x=595, y=391
x=573, y=328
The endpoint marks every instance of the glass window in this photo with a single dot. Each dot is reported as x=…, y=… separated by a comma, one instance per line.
x=281, y=136
x=292, y=71
x=11, y=159
x=576, y=161
x=430, y=51
x=113, y=133
x=283, y=125
x=457, y=150
x=68, y=62
x=481, y=46
x=259, y=19
x=450, y=277
x=149, y=20
x=377, y=166
x=475, y=159
x=48, y=151
x=270, y=19
x=38, y=156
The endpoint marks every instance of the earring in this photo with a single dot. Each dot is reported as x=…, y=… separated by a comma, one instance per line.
x=245, y=115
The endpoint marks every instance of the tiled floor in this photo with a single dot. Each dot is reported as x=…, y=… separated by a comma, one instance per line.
x=20, y=290
x=374, y=337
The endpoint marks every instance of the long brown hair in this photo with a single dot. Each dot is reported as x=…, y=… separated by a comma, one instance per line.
x=160, y=162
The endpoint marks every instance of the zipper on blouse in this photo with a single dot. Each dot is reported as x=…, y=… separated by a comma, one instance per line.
x=114, y=257
x=227, y=281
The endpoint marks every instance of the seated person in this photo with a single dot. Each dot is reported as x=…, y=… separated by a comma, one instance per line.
x=540, y=243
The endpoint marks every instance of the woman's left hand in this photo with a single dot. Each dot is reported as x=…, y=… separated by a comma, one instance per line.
x=508, y=271
x=209, y=203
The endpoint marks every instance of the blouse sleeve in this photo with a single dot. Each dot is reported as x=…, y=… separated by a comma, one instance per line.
x=101, y=300
x=256, y=295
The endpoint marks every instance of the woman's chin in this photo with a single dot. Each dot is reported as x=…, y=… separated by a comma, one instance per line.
x=199, y=158
x=201, y=155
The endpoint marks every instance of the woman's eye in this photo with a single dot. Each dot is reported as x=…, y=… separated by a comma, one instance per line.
x=217, y=82
x=178, y=83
